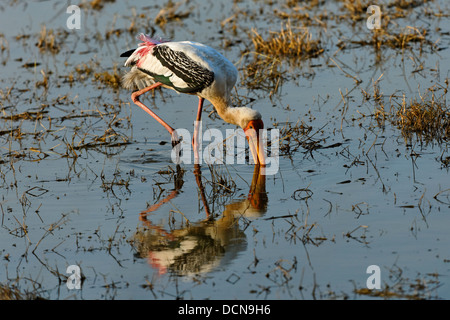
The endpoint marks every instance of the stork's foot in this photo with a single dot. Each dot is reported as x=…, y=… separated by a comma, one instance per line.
x=176, y=147
x=175, y=139
x=175, y=143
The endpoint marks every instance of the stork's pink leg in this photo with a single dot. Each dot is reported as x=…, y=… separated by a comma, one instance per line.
x=135, y=97
x=195, y=142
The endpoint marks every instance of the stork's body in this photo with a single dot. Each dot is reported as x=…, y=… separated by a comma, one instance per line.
x=192, y=68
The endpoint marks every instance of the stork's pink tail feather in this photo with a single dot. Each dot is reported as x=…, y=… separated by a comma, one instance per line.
x=146, y=46
x=149, y=41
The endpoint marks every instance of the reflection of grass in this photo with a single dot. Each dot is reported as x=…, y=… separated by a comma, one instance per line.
x=294, y=137
x=404, y=288
x=222, y=183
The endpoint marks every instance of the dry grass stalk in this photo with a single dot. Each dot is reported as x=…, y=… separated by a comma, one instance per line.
x=27, y=115
x=264, y=72
x=288, y=43
x=47, y=41
x=169, y=13
x=12, y=293
x=406, y=4
x=296, y=136
x=356, y=9
x=8, y=293
x=4, y=45
x=112, y=79
x=44, y=82
x=404, y=39
x=98, y=4
x=429, y=120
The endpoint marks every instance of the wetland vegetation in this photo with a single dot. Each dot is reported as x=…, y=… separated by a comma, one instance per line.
x=86, y=179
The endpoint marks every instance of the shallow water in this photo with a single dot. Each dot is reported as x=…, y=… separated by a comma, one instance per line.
x=139, y=228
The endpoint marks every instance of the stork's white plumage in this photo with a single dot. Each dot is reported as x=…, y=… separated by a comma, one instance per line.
x=192, y=68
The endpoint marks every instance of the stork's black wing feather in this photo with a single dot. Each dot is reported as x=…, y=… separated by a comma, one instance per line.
x=128, y=53
x=193, y=74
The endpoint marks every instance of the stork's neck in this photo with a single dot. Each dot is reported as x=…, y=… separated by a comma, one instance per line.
x=227, y=113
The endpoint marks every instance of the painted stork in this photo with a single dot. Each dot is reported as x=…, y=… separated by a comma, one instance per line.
x=192, y=68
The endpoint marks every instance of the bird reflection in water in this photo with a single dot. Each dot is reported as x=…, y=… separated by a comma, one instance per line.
x=205, y=245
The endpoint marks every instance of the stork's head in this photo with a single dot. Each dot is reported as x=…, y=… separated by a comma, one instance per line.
x=251, y=123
